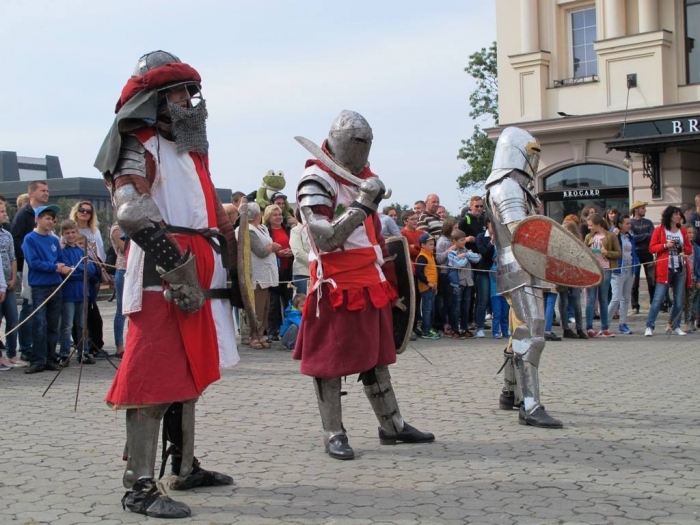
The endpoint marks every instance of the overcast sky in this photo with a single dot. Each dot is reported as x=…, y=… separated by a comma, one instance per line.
x=270, y=70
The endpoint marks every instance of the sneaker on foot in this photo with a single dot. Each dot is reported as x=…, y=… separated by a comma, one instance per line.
x=624, y=329
x=648, y=332
x=606, y=333
x=551, y=336
x=480, y=333
x=678, y=331
x=497, y=336
x=17, y=362
x=592, y=333
x=430, y=335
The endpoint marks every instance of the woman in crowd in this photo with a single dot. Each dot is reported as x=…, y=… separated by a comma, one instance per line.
x=299, y=243
x=264, y=273
x=280, y=294
x=607, y=249
x=612, y=215
x=623, y=275
x=118, y=241
x=83, y=213
x=444, y=293
x=671, y=245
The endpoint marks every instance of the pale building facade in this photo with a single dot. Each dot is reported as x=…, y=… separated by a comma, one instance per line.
x=597, y=81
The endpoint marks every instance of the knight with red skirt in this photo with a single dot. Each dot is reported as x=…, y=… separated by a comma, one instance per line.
x=155, y=162
x=347, y=321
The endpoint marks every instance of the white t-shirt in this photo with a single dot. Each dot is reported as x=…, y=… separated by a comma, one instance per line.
x=673, y=259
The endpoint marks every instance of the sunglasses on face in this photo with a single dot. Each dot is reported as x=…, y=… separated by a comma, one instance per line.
x=479, y=206
x=83, y=210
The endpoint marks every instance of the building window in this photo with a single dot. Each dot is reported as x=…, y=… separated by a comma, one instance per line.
x=583, y=34
x=692, y=40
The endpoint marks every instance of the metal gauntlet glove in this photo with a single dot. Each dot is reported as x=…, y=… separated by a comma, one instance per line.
x=371, y=192
x=184, y=289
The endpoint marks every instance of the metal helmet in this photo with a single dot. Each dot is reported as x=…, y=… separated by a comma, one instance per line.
x=153, y=60
x=350, y=140
x=517, y=149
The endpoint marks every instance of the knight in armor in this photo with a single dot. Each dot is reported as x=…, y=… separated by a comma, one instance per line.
x=348, y=327
x=509, y=200
x=155, y=162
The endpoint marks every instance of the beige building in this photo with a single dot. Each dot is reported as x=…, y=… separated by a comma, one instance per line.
x=611, y=88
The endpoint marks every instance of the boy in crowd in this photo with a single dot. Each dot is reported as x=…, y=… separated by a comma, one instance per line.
x=292, y=321
x=72, y=294
x=42, y=253
x=459, y=260
x=427, y=275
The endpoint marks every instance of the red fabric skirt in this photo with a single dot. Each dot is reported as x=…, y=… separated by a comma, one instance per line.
x=155, y=368
x=340, y=342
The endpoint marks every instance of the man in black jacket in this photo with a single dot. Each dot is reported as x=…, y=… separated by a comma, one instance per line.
x=473, y=223
x=22, y=225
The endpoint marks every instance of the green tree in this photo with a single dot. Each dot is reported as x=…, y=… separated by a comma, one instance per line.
x=478, y=150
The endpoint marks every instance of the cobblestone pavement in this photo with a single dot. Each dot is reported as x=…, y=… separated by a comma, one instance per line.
x=629, y=452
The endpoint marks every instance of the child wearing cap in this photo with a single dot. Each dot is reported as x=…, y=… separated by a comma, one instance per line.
x=42, y=252
x=427, y=275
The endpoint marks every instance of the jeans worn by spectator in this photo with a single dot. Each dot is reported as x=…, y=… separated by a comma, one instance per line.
x=26, y=330
x=443, y=302
x=676, y=283
x=119, y=316
x=427, y=302
x=72, y=317
x=500, y=310
x=483, y=294
x=550, y=302
x=459, y=309
x=8, y=310
x=46, y=324
x=621, y=284
x=570, y=307
x=599, y=293
x=647, y=261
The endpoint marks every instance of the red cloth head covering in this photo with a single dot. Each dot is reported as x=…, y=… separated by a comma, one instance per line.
x=158, y=78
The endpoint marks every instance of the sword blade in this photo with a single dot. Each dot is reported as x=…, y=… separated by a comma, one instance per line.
x=329, y=162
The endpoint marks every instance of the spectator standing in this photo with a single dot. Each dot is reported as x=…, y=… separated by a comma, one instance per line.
x=388, y=221
x=72, y=294
x=623, y=275
x=427, y=275
x=612, y=216
x=459, y=260
x=569, y=297
x=42, y=253
x=485, y=248
x=642, y=230
x=264, y=272
x=443, y=300
x=586, y=212
x=299, y=243
x=8, y=308
x=473, y=223
x=118, y=240
x=410, y=230
x=22, y=225
x=499, y=306
x=429, y=221
x=22, y=200
x=607, y=249
x=671, y=246
x=690, y=309
x=419, y=207
x=280, y=293
x=442, y=212
x=83, y=213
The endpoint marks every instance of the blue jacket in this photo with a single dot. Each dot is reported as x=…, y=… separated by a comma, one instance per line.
x=291, y=316
x=42, y=254
x=635, y=257
x=73, y=289
x=696, y=262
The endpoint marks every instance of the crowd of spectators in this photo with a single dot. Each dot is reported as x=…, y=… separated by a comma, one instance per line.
x=454, y=265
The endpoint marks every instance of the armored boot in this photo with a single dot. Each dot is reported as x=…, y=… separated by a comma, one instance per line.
x=144, y=495
x=507, y=399
x=334, y=437
x=178, y=430
x=392, y=427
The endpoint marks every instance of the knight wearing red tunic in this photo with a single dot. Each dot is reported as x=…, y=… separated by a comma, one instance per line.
x=347, y=320
x=155, y=161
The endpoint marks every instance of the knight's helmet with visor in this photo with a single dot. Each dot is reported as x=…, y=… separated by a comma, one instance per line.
x=349, y=140
x=517, y=149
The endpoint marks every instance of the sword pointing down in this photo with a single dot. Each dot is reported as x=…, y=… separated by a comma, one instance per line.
x=333, y=165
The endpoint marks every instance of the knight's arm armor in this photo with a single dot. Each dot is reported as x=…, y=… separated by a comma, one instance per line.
x=508, y=201
x=314, y=194
x=139, y=218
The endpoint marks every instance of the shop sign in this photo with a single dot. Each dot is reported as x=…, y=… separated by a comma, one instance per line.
x=660, y=128
x=580, y=194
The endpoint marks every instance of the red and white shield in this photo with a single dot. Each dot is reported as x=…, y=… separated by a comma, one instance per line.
x=546, y=250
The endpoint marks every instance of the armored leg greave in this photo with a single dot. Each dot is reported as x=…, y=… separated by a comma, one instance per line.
x=142, y=431
x=508, y=400
x=528, y=343
x=392, y=427
x=334, y=437
x=178, y=430
x=378, y=389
